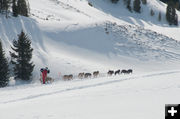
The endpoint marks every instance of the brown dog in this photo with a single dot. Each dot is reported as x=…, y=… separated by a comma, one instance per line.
x=81, y=75
x=110, y=72
x=49, y=80
x=68, y=77
x=95, y=74
x=87, y=75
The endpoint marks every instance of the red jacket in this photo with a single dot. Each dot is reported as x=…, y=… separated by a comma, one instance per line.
x=44, y=75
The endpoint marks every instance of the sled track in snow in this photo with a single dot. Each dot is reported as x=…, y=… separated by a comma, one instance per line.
x=88, y=86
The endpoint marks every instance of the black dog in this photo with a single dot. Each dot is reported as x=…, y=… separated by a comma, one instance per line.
x=124, y=71
x=87, y=75
x=117, y=72
x=110, y=72
x=130, y=71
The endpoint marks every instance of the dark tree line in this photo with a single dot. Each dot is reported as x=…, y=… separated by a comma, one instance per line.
x=4, y=71
x=128, y=5
x=20, y=59
x=5, y=6
x=114, y=1
x=175, y=2
x=137, y=6
x=171, y=15
x=19, y=7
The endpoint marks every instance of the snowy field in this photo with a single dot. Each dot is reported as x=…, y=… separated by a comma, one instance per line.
x=131, y=96
x=70, y=37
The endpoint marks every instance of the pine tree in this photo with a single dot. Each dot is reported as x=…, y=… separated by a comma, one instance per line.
x=152, y=12
x=1, y=3
x=14, y=8
x=159, y=17
x=4, y=6
x=177, y=5
x=176, y=20
x=168, y=14
x=7, y=4
x=23, y=8
x=144, y=2
x=137, y=6
x=129, y=5
x=4, y=71
x=21, y=58
x=114, y=1
x=171, y=15
x=1, y=6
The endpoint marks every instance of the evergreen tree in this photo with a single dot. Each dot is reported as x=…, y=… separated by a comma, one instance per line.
x=159, y=17
x=1, y=5
x=14, y=8
x=114, y=1
x=171, y=15
x=7, y=4
x=175, y=2
x=23, y=8
x=4, y=71
x=152, y=12
x=176, y=20
x=168, y=14
x=177, y=5
x=137, y=6
x=21, y=58
x=129, y=5
x=4, y=6
x=144, y=1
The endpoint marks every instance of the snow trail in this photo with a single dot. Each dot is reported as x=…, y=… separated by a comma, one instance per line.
x=108, y=81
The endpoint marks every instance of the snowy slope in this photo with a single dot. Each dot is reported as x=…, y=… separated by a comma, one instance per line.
x=69, y=35
x=135, y=96
x=144, y=19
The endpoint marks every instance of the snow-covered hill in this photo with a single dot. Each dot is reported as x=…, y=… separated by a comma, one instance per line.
x=69, y=37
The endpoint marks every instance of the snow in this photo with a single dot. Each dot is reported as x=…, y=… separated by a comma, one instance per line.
x=72, y=32
x=137, y=95
x=69, y=37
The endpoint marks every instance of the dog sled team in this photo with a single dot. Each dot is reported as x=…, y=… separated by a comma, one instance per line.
x=45, y=79
x=95, y=74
